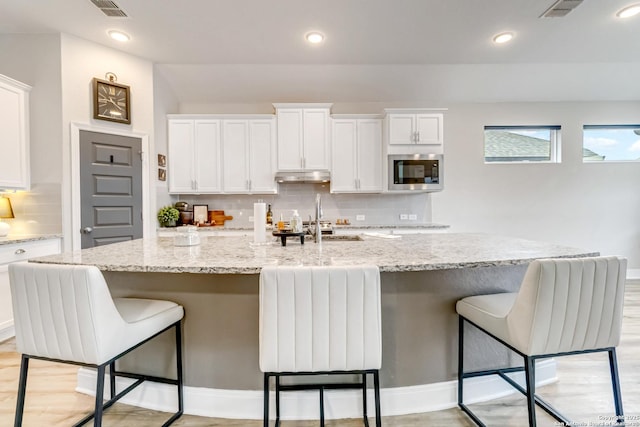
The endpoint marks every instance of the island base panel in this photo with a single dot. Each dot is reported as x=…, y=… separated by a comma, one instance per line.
x=419, y=325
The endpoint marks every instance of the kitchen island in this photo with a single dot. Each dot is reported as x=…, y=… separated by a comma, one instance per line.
x=423, y=275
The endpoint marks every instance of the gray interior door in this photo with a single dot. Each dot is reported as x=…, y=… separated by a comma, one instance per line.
x=110, y=188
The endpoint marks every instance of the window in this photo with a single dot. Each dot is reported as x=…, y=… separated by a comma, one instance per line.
x=610, y=143
x=522, y=144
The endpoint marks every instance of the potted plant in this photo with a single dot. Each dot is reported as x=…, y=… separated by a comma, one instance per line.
x=167, y=216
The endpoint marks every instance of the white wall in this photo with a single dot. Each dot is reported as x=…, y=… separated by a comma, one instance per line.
x=81, y=61
x=165, y=102
x=35, y=60
x=592, y=206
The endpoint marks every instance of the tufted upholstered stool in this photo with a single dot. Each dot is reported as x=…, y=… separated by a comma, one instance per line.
x=66, y=314
x=563, y=307
x=319, y=321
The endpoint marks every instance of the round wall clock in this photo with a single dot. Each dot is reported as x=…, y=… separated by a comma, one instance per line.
x=111, y=101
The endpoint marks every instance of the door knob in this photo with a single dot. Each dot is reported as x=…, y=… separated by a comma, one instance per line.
x=86, y=230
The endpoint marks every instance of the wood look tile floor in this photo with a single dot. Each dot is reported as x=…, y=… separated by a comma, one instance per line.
x=583, y=393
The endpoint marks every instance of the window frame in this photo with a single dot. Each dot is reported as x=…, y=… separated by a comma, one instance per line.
x=554, y=143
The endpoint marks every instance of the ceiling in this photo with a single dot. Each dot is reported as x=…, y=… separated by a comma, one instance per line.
x=251, y=42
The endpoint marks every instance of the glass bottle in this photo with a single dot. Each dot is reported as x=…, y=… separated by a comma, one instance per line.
x=269, y=216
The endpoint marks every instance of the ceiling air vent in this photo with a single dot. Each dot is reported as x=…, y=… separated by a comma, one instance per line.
x=561, y=8
x=109, y=8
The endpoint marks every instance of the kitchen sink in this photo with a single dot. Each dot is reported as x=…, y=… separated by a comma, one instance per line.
x=341, y=237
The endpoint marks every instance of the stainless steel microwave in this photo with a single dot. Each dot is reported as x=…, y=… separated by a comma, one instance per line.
x=417, y=172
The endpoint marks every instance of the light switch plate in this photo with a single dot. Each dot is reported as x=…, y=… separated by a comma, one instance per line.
x=403, y=216
x=413, y=217
x=359, y=217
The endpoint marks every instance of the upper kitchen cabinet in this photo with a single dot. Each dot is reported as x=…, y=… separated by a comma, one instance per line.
x=14, y=134
x=415, y=127
x=248, y=152
x=303, y=136
x=356, y=154
x=194, y=156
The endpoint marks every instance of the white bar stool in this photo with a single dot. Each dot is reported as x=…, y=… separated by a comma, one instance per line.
x=65, y=313
x=564, y=307
x=320, y=321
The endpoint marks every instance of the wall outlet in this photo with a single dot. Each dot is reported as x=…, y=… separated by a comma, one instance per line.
x=413, y=217
x=403, y=216
x=359, y=217
x=251, y=218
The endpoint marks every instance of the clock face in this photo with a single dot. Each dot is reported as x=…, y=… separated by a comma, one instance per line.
x=111, y=102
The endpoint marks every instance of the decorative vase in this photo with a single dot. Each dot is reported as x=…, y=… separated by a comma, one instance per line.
x=171, y=223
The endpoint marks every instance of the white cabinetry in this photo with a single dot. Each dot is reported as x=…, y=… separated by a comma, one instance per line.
x=303, y=136
x=17, y=252
x=411, y=127
x=14, y=134
x=194, y=156
x=248, y=152
x=356, y=154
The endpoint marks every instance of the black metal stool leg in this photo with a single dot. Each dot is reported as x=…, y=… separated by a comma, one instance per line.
x=460, y=359
x=97, y=421
x=179, y=369
x=376, y=386
x=112, y=380
x=277, y=400
x=321, y=407
x=364, y=399
x=529, y=368
x=22, y=389
x=266, y=400
x=615, y=382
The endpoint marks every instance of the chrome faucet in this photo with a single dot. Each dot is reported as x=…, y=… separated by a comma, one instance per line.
x=318, y=231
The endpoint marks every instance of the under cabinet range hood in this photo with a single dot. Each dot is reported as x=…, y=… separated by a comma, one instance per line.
x=319, y=176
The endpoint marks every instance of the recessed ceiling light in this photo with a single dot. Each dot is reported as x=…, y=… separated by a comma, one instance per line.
x=629, y=11
x=502, y=37
x=314, y=37
x=119, y=36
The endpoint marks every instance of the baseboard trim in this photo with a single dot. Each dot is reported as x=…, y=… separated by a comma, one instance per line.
x=303, y=405
x=7, y=330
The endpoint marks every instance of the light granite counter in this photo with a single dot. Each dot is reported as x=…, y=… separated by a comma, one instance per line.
x=22, y=238
x=237, y=255
x=217, y=282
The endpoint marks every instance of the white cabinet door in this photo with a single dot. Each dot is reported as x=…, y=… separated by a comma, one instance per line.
x=180, y=162
x=14, y=134
x=316, y=138
x=429, y=129
x=356, y=155
x=402, y=128
x=194, y=156
x=290, y=139
x=235, y=154
x=6, y=313
x=418, y=128
x=369, y=158
x=262, y=156
x=303, y=138
x=207, y=156
x=343, y=152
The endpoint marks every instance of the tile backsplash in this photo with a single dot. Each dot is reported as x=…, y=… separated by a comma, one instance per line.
x=38, y=211
x=378, y=209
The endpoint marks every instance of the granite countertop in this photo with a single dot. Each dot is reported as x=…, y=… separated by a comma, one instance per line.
x=352, y=226
x=22, y=238
x=237, y=255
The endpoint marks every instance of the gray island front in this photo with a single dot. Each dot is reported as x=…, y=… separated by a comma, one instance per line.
x=422, y=277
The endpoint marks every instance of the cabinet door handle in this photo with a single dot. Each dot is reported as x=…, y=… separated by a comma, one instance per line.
x=418, y=136
x=20, y=251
